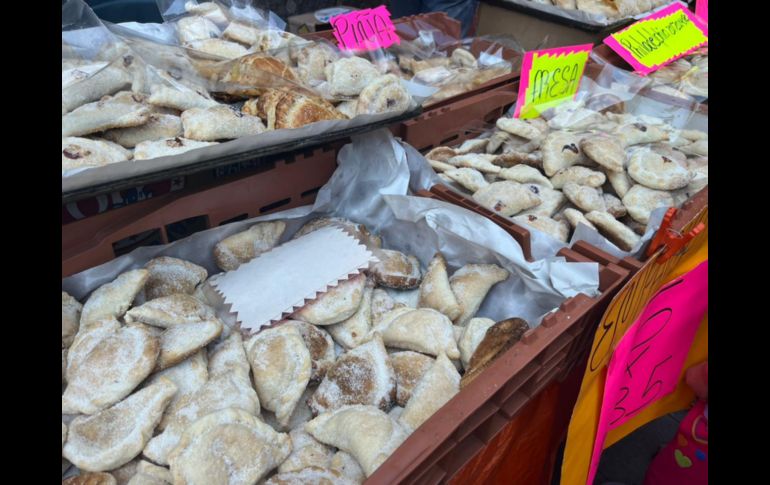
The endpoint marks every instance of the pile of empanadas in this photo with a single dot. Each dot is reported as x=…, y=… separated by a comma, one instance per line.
x=158, y=389
x=613, y=9
x=586, y=162
x=257, y=80
x=685, y=77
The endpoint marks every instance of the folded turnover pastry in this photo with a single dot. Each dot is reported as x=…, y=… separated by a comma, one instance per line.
x=436, y=387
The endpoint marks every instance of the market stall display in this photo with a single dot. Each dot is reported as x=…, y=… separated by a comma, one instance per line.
x=166, y=311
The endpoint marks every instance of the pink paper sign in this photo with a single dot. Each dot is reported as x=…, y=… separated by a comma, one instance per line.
x=364, y=30
x=549, y=77
x=702, y=10
x=659, y=38
x=647, y=363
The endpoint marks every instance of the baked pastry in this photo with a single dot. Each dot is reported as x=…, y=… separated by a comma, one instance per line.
x=550, y=201
x=118, y=360
x=578, y=175
x=179, y=97
x=282, y=368
x=656, y=171
x=168, y=276
x=358, y=231
x=584, y=197
x=305, y=452
x=171, y=310
x=469, y=178
x=606, y=150
x=353, y=332
x=70, y=319
x=79, y=152
x=638, y=133
x=181, y=341
x=470, y=284
x=614, y=205
x=252, y=74
x=310, y=475
x=383, y=94
x=219, y=123
x=218, y=47
x=422, y=330
x=158, y=126
x=111, y=300
x=436, y=387
x=479, y=161
x=498, y=338
x=396, y=270
x=617, y=233
x=409, y=368
x=362, y=375
x=150, y=474
x=231, y=252
x=472, y=335
x=506, y=197
x=312, y=61
x=188, y=376
x=241, y=32
x=347, y=466
x=167, y=147
x=337, y=304
x=350, y=75
x=557, y=229
x=435, y=291
x=115, y=435
x=121, y=110
x=641, y=201
x=518, y=127
x=365, y=432
x=195, y=27
x=321, y=348
x=228, y=446
x=88, y=478
x=524, y=174
x=620, y=182
x=382, y=303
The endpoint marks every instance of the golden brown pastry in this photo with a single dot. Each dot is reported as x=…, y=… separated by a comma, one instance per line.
x=168, y=276
x=436, y=387
x=167, y=311
x=470, y=284
x=397, y=270
x=111, y=300
x=335, y=305
x=305, y=452
x=242, y=247
x=353, y=332
x=321, y=348
x=435, y=291
x=498, y=338
x=409, y=368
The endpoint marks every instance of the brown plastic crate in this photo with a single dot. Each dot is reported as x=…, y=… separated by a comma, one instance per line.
x=285, y=183
x=450, y=438
x=457, y=121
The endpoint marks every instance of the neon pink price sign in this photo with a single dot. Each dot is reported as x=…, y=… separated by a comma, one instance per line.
x=366, y=30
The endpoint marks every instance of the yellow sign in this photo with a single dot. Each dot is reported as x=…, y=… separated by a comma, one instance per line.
x=621, y=313
x=549, y=77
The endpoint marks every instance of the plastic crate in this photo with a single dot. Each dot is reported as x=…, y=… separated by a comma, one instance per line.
x=281, y=184
x=450, y=438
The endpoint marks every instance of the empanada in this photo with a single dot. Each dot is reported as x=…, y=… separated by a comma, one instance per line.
x=409, y=367
x=524, y=174
x=282, y=367
x=605, y=150
x=397, y=270
x=550, y=201
x=362, y=375
x=422, y=330
x=336, y=304
x=441, y=154
x=320, y=345
x=469, y=178
x=188, y=376
x=88, y=478
x=641, y=201
x=552, y=227
x=228, y=446
x=497, y=339
x=584, y=197
x=518, y=127
x=350, y=75
x=482, y=162
x=167, y=147
x=436, y=387
x=179, y=97
x=158, y=126
x=305, y=452
x=312, y=475
x=571, y=118
x=383, y=94
x=194, y=28
x=122, y=110
x=229, y=356
x=241, y=32
x=167, y=311
x=242, y=247
x=312, y=61
x=435, y=291
x=382, y=303
x=348, y=467
x=656, y=171
x=358, y=231
x=473, y=334
x=79, y=152
x=613, y=205
x=638, y=133
x=86, y=85
x=115, y=435
x=365, y=432
x=118, y=361
x=352, y=332
x=70, y=319
x=579, y=175
x=180, y=341
x=150, y=474
x=620, y=182
x=169, y=276
x=506, y=197
x=575, y=217
x=219, y=123
x=218, y=47
x=470, y=284
x=617, y=233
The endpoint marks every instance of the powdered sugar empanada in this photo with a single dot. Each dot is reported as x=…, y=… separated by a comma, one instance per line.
x=641, y=201
x=114, y=436
x=435, y=291
x=584, y=197
x=471, y=337
x=180, y=341
x=282, y=367
x=305, y=452
x=656, y=171
x=228, y=446
x=524, y=174
x=552, y=227
x=362, y=375
x=111, y=300
x=122, y=110
x=70, y=319
x=365, y=432
x=422, y=330
x=352, y=332
x=79, y=152
x=188, y=376
x=618, y=234
x=409, y=367
x=242, y=247
x=436, y=387
x=320, y=345
x=469, y=178
x=171, y=310
x=470, y=284
x=167, y=147
x=606, y=150
x=335, y=305
x=169, y=276
x=397, y=270
x=219, y=123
